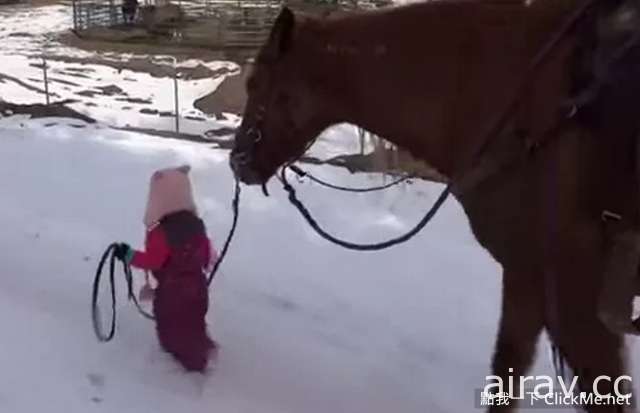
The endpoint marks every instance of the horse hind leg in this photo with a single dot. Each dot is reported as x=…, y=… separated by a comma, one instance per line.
x=587, y=346
x=521, y=323
x=591, y=351
x=615, y=305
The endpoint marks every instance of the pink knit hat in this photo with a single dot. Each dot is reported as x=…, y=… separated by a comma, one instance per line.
x=169, y=191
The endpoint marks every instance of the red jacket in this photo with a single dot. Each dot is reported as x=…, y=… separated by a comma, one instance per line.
x=158, y=250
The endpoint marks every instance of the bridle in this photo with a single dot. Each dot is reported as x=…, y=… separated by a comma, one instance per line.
x=240, y=159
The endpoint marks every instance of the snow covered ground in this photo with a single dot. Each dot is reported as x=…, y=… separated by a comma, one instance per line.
x=305, y=326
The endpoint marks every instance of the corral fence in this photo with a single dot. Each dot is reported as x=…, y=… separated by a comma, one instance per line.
x=88, y=14
x=202, y=19
x=205, y=23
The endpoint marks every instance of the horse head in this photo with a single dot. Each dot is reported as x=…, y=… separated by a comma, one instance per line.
x=282, y=115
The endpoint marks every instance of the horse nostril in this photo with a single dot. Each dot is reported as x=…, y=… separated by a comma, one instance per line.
x=237, y=160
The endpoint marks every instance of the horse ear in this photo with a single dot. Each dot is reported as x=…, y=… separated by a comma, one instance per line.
x=281, y=35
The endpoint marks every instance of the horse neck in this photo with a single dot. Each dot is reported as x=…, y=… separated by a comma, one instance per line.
x=429, y=77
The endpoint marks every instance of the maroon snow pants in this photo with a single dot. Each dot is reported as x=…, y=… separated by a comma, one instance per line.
x=180, y=306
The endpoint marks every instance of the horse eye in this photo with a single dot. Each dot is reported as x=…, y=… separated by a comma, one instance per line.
x=259, y=114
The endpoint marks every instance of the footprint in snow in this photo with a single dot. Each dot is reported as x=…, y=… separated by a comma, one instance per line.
x=282, y=304
x=96, y=380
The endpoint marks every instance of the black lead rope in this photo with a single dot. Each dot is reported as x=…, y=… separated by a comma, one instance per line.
x=301, y=173
x=109, y=254
x=362, y=247
x=97, y=324
x=235, y=206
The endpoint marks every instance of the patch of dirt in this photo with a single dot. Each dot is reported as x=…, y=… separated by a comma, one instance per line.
x=145, y=64
x=62, y=81
x=229, y=97
x=20, y=34
x=37, y=110
x=111, y=90
x=7, y=3
x=87, y=93
x=139, y=101
x=214, y=133
x=168, y=134
x=76, y=74
x=38, y=3
x=5, y=78
x=78, y=69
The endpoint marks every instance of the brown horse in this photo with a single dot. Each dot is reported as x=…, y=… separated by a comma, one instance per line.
x=431, y=78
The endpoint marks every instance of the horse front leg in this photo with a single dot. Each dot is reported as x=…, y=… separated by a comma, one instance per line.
x=521, y=322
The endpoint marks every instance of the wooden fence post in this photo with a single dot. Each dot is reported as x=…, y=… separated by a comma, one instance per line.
x=175, y=93
x=46, y=80
x=75, y=15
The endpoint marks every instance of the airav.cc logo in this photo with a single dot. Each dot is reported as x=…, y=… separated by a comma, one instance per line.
x=551, y=397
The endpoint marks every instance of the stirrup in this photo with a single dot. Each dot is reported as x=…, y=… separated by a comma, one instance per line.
x=615, y=304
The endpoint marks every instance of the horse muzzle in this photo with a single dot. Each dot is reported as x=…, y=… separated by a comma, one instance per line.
x=238, y=162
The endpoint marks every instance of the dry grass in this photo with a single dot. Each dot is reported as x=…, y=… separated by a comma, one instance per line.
x=230, y=96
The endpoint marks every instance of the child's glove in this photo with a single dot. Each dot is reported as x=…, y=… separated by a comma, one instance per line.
x=123, y=252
